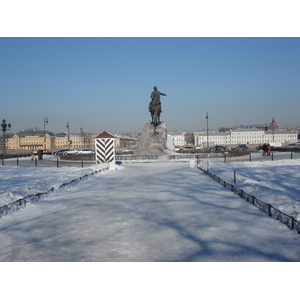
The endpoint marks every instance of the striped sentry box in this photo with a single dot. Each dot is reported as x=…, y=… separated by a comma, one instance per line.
x=105, y=147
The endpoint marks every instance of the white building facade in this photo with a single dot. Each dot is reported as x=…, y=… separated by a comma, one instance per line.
x=178, y=138
x=245, y=136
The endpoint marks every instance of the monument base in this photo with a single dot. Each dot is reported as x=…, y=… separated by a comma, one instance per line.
x=153, y=140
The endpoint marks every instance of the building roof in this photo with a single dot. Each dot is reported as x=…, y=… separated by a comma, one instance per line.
x=250, y=126
x=104, y=135
x=280, y=132
x=177, y=132
x=61, y=134
x=246, y=129
x=213, y=133
x=39, y=133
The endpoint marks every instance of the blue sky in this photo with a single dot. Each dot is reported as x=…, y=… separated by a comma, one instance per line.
x=105, y=83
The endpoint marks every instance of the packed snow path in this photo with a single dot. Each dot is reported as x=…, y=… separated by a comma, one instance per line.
x=145, y=212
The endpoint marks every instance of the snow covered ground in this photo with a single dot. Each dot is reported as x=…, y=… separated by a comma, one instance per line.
x=149, y=212
x=19, y=182
x=274, y=182
x=153, y=212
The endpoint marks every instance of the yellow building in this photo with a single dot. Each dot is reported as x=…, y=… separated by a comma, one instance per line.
x=31, y=140
x=36, y=139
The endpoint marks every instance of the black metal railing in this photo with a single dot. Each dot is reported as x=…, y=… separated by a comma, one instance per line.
x=81, y=160
x=270, y=210
x=219, y=156
x=55, y=162
x=21, y=203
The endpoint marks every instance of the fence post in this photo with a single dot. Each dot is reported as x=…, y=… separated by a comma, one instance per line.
x=225, y=158
x=234, y=176
x=82, y=162
x=250, y=156
x=57, y=163
x=35, y=162
x=272, y=156
x=17, y=161
x=2, y=161
x=291, y=155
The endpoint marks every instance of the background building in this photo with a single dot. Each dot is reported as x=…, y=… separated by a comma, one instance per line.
x=245, y=136
x=31, y=140
x=38, y=139
x=178, y=138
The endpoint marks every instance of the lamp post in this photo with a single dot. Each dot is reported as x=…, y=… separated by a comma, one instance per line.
x=207, y=130
x=4, y=128
x=45, y=121
x=68, y=134
x=273, y=128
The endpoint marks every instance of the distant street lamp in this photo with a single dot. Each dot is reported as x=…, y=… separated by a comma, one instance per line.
x=207, y=130
x=273, y=122
x=4, y=128
x=45, y=121
x=68, y=133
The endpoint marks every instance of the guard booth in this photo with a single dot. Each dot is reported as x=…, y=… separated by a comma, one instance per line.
x=105, y=149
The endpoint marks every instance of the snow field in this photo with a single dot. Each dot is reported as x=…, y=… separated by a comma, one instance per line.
x=145, y=212
x=19, y=182
x=142, y=212
x=274, y=182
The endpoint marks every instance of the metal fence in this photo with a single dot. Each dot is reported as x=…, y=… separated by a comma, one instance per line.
x=289, y=221
x=151, y=157
x=267, y=208
x=21, y=203
x=81, y=161
x=217, y=156
x=50, y=161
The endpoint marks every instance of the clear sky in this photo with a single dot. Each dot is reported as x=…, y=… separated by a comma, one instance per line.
x=94, y=65
x=105, y=83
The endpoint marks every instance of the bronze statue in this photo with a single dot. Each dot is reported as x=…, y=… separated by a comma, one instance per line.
x=155, y=106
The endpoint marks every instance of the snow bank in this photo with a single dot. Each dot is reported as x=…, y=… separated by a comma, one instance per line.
x=274, y=182
x=19, y=182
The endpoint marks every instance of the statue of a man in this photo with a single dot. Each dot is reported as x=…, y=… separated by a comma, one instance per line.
x=155, y=105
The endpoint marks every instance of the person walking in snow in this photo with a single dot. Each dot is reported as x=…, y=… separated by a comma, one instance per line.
x=268, y=149
x=264, y=148
x=40, y=154
x=32, y=155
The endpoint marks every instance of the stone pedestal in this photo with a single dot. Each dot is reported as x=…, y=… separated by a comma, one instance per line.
x=152, y=143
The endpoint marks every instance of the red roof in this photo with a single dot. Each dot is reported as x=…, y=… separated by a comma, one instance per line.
x=104, y=135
